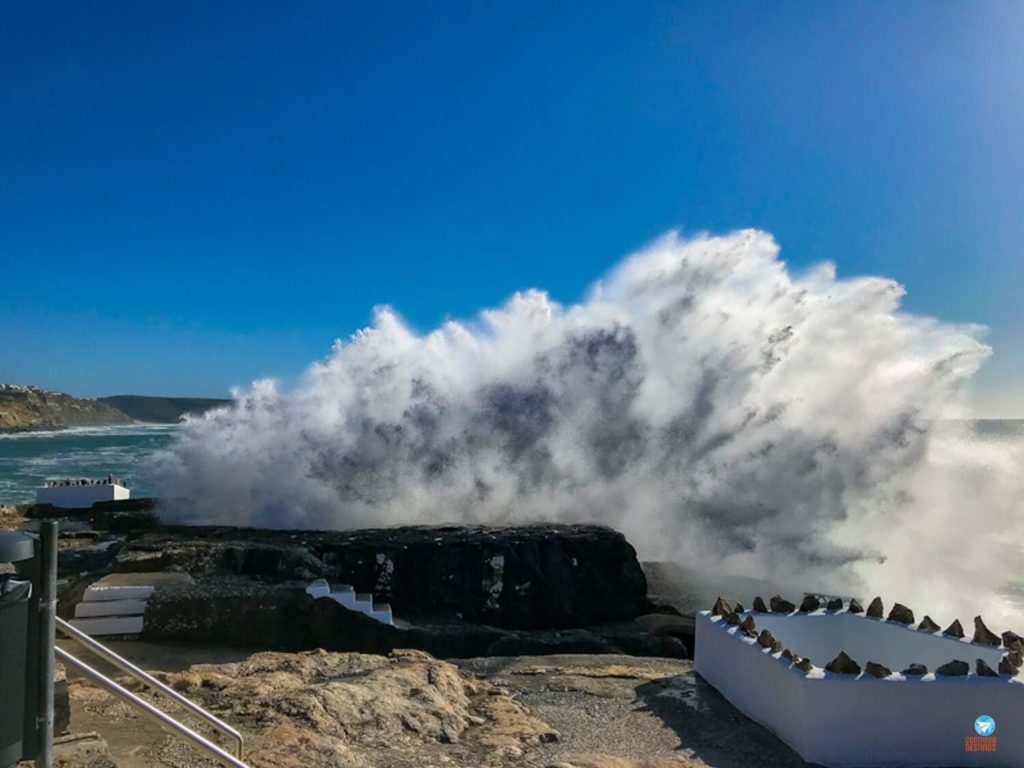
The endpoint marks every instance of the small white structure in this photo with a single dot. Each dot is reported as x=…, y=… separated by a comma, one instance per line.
x=77, y=495
x=848, y=720
x=346, y=596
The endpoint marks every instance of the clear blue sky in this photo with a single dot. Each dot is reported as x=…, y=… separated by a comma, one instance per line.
x=196, y=194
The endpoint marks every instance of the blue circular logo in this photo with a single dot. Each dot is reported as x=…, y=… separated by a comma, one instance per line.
x=985, y=726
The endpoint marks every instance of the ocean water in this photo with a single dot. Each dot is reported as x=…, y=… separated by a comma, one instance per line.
x=27, y=460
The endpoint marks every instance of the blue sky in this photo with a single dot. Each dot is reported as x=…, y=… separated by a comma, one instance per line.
x=194, y=194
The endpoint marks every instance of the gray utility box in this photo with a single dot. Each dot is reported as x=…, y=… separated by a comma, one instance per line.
x=19, y=642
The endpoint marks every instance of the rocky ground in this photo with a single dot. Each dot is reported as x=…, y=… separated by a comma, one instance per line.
x=408, y=710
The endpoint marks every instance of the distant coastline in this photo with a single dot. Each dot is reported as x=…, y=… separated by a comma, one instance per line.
x=25, y=408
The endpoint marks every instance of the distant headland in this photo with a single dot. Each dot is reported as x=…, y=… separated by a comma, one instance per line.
x=27, y=408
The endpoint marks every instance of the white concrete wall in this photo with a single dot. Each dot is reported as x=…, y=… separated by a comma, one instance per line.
x=821, y=636
x=849, y=722
x=80, y=496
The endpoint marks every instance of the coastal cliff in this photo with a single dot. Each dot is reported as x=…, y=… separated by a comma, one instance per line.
x=162, y=410
x=24, y=409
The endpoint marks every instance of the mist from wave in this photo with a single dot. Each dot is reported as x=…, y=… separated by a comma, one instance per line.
x=718, y=408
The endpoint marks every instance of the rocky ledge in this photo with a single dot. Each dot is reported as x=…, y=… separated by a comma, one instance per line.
x=526, y=577
x=408, y=710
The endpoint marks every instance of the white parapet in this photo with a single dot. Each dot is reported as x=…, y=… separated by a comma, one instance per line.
x=843, y=721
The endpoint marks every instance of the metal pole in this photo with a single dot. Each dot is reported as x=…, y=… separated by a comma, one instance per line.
x=47, y=626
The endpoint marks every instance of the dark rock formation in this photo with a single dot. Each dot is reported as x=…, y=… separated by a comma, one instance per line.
x=955, y=668
x=528, y=577
x=776, y=646
x=778, y=605
x=239, y=612
x=810, y=603
x=901, y=614
x=765, y=639
x=740, y=608
x=843, y=665
x=984, y=670
x=875, y=609
x=749, y=627
x=759, y=605
x=983, y=635
x=835, y=604
x=927, y=625
x=915, y=670
x=855, y=606
x=877, y=670
x=954, y=630
x=788, y=655
x=732, y=619
x=1012, y=639
x=804, y=665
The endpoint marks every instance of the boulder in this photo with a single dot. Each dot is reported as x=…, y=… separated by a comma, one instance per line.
x=809, y=604
x=915, y=670
x=759, y=605
x=983, y=635
x=982, y=669
x=955, y=668
x=732, y=619
x=1011, y=639
x=804, y=665
x=748, y=624
x=765, y=639
x=788, y=655
x=778, y=605
x=740, y=608
x=927, y=625
x=855, y=606
x=1010, y=663
x=843, y=665
x=722, y=607
x=524, y=577
x=901, y=614
x=835, y=604
x=875, y=609
x=776, y=646
x=877, y=670
x=954, y=630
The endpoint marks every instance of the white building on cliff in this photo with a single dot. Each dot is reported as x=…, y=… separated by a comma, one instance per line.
x=81, y=494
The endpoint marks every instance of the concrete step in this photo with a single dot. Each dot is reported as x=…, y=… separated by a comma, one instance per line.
x=110, y=608
x=102, y=593
x=109, y=625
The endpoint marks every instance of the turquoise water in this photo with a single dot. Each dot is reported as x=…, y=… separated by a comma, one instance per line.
x=27, y=460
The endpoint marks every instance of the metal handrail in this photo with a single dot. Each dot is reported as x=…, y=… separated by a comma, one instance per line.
x=165, y=720
x=147, y=679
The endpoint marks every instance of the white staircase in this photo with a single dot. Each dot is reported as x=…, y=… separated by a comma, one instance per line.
x=347, y=597
x=112, y=610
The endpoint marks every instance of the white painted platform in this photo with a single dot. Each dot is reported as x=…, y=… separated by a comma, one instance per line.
x=846, y=721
